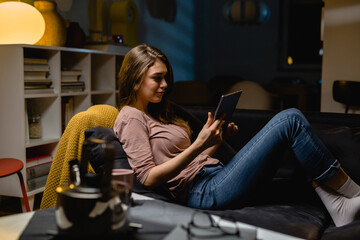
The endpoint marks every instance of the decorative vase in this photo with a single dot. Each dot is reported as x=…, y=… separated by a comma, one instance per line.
x=55, y=27
x=75, y=36
x=98, y=17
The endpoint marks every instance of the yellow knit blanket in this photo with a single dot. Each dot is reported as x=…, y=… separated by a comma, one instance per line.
x=70, y=147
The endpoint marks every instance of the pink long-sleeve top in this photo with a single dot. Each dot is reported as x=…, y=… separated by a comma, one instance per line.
x=149, y=143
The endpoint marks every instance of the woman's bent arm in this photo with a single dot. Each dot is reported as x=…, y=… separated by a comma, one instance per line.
x=209, y=136
x=167, y=170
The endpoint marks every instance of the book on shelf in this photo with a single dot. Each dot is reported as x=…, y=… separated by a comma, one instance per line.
x=27, y=135
x=73, y=84
x=70, y=78
x=73, y=72
x=38, y=170
x=33, y=75
x=35, y=161
x=36, y=67
x=67, y=111
x=70, y=75
x=67, y=87
x=35, y=61
x=38, y=86
x=46, y=82
x=37, y=182
x=34, y=80
x=72, y=89
x=38, y=90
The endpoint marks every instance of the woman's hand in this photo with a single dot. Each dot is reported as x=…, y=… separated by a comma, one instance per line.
x=211, y=133
x=231, y=130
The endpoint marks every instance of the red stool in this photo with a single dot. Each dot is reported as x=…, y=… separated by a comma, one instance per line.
x=9, y=166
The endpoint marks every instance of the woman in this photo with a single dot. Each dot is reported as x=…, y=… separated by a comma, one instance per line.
x=159, y=150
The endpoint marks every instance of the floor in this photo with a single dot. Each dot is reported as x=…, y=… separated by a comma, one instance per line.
x=12, y=205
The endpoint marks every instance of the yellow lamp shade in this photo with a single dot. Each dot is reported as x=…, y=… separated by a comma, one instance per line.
x=20, y=23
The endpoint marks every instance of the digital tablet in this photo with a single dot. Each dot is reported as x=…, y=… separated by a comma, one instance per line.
x=227, y=105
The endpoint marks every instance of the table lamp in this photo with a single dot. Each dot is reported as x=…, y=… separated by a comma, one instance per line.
x=20, y=23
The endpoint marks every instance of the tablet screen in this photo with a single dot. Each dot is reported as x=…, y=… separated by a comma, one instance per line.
x=227, y=105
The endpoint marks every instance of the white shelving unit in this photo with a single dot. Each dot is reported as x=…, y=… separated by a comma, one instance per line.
x=99, y=73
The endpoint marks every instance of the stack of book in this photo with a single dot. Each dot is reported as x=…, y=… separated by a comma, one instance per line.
x=37, y=171
x=70, y=81
x=36, y=71
x=67, y=110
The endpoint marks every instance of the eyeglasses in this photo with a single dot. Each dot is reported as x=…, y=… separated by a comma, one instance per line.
x=203, y=226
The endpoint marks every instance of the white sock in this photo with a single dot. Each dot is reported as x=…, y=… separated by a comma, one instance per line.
x=341, y=209
x=350, y=189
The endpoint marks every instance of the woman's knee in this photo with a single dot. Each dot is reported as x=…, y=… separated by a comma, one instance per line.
x=293, y=112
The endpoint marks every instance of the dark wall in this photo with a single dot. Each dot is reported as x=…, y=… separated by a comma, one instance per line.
x=201, y=44
x=248, y=51
x=166, y=24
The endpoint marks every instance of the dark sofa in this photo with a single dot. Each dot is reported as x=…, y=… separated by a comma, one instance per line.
x=287, y=204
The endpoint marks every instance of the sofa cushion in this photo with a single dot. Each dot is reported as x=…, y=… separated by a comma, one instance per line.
x=289, y=206
x=120, y=161
x=344, y=143
x=348, y=232
x=303, y=221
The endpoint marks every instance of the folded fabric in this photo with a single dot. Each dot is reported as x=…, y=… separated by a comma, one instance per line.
x=70, y=147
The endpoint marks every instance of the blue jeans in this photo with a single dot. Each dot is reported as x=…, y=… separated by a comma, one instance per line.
x=218, y=186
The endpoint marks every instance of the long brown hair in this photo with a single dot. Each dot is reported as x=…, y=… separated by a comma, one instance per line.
x=136, y=62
